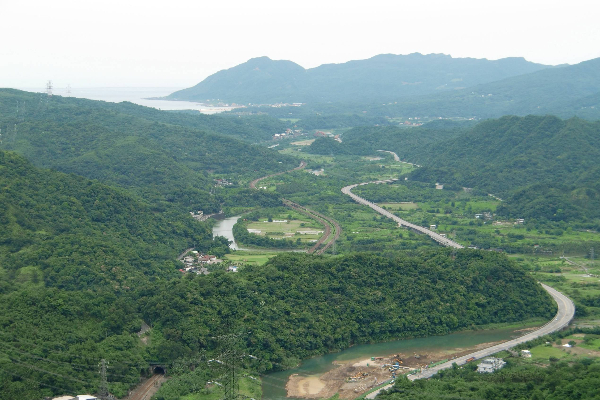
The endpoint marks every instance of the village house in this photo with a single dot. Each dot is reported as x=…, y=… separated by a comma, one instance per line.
x=490, y=364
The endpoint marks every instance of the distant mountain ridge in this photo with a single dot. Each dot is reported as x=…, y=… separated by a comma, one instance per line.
x=565, y=91
x=385, y=77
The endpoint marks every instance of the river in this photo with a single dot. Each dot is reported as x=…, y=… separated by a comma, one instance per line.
x=224, y=228
x=274, y=384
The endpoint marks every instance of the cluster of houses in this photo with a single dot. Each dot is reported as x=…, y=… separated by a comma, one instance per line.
x=289, y=133
x=328, y=134
x=78, y=397
x=222, y=182
x=486, y=215
x=200, y=216
x=197, y=263
x=412, y=122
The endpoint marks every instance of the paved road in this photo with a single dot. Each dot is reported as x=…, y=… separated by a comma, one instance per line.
x=254, y=182
x=566, y=311
x=398, y=158
x=566, y=308
x=435, y=236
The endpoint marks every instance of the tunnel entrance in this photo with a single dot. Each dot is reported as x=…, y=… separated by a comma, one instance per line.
x=158, y=370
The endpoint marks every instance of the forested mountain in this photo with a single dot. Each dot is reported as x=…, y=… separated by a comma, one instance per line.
x=511, y=152
x=71, y=251
x=545, y=167
x=72, y=233
x=564, y=91
x=130, y=146
x=293, y=307
x=253, y=128
x=406, y=142
x=386, y=77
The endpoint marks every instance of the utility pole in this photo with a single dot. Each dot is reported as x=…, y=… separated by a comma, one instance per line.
x=592, y=255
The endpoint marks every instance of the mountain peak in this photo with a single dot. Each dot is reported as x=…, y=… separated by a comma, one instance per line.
x=384, y=77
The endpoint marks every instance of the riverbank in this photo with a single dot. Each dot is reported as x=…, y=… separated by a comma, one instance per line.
x=342, y=372
x=353, y=378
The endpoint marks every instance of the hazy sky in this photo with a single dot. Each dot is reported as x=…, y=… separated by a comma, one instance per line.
x=177, y=43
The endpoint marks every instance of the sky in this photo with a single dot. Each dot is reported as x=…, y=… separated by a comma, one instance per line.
x=178, y=43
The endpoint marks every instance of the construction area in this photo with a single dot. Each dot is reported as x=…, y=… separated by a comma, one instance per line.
x=355, y=378
x=352, y=379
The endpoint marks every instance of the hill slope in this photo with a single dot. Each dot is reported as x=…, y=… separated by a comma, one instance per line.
x=164, y=163
x=565, y=91
x=87, y=234
x=82, y=265
x=543, y=166
x=385, y=77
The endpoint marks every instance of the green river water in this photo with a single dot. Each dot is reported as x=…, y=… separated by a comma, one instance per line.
x=274, y=384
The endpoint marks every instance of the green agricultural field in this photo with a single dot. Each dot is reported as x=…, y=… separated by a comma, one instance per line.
x=306, y=142
x=544, y=352
x=288, y=229
x=250, y=257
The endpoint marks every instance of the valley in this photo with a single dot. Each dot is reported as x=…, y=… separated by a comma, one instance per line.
x=338, y=244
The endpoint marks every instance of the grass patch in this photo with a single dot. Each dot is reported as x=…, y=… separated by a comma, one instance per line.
x=250, y=257
x=399, y=206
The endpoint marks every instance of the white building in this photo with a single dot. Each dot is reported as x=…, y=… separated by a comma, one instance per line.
x=490, y=364
x=525, y=353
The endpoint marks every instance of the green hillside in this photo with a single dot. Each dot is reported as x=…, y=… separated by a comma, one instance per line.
x=73, y=233
x=543, y=166
x=83, y=264
x=564, y=91
x=385, y=77
x=132, y=147
x=511, y=152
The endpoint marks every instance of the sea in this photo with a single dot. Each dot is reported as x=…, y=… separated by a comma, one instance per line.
x=138, y=95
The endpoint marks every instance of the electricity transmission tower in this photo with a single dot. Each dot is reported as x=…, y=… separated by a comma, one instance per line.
x=49, y=88
x=103, y=389
x=230, y=360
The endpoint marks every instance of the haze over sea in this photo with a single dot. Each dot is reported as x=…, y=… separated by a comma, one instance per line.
x=138, y=95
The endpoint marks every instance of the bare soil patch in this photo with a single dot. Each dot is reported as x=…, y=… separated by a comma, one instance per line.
x=353, y=378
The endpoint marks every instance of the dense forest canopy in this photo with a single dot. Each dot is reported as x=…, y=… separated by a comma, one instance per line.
x=167, y=165
x=83, y=264
x=72, y=233
x=293, y=307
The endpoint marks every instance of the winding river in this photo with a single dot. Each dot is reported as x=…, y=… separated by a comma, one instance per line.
x=224, y=227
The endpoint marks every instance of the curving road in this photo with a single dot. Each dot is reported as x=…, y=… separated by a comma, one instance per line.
x=564, y=315
x=566, y=311
x=254, y=182
x=444, y=241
